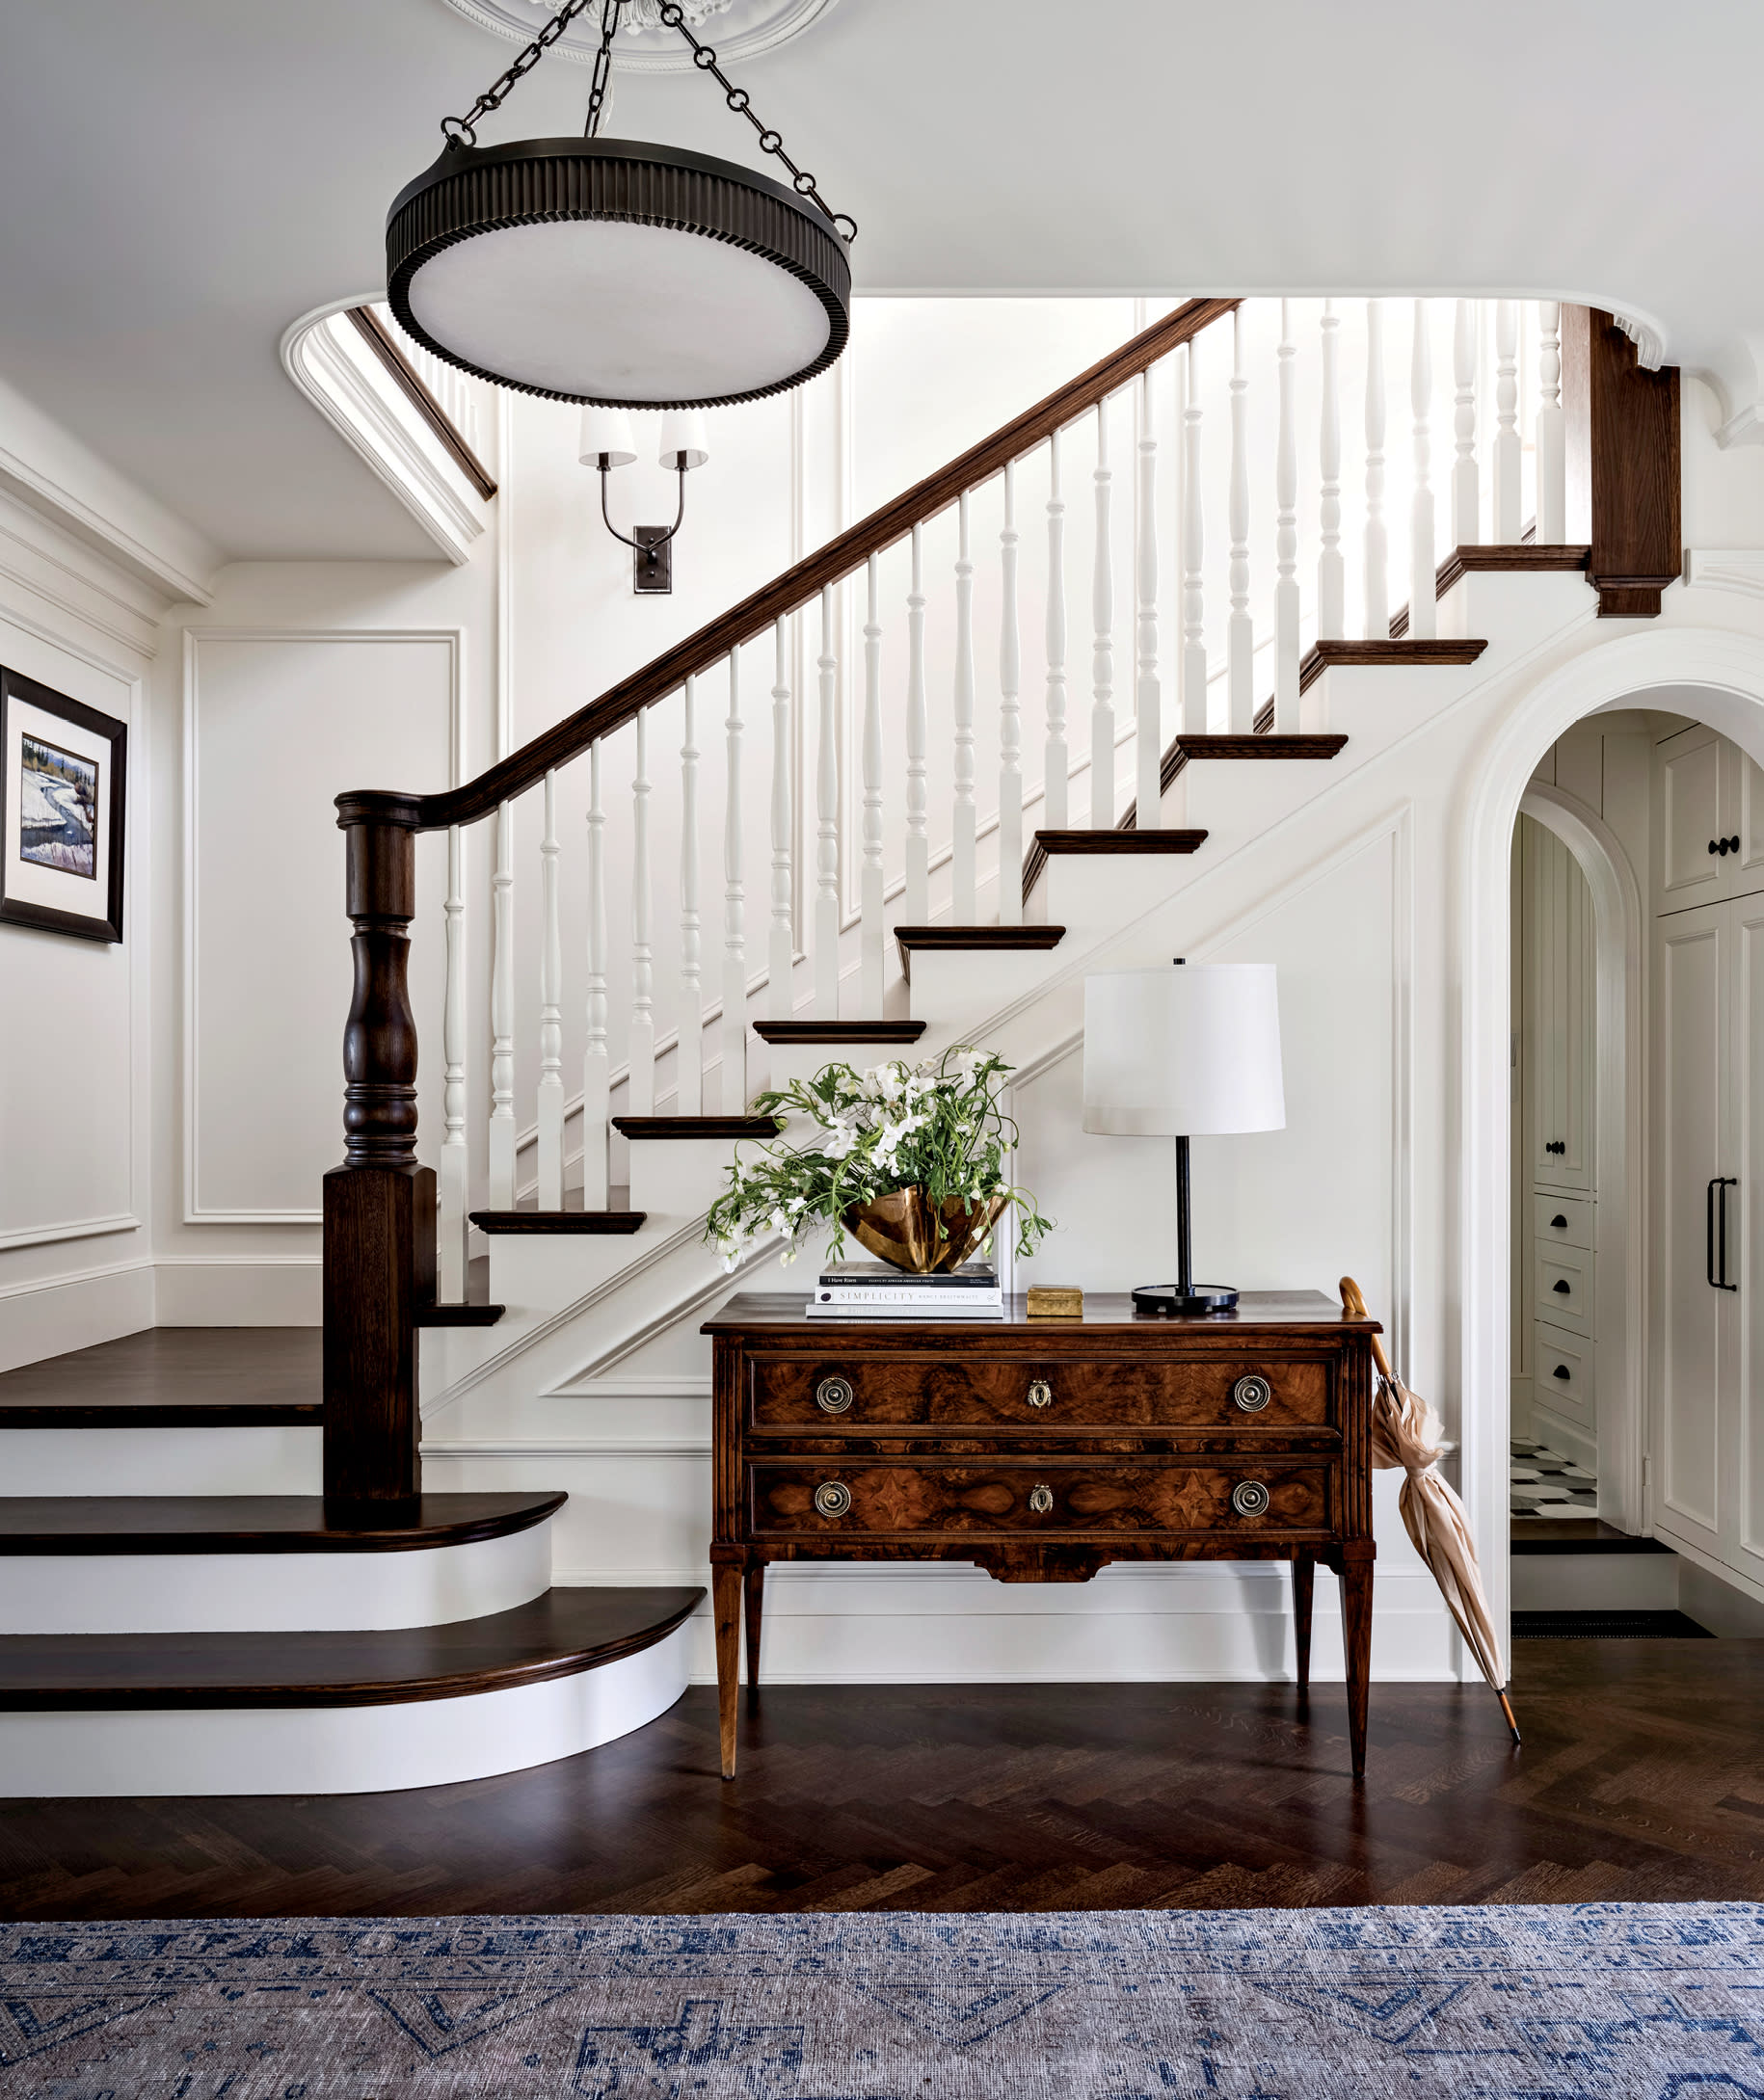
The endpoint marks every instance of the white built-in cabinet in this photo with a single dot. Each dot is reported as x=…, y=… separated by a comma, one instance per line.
x=1708, y=1437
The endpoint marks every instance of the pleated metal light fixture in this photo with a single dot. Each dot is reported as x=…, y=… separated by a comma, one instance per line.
x=604, y=271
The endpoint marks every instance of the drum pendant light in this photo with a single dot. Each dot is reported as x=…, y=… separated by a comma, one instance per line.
x=624, y=274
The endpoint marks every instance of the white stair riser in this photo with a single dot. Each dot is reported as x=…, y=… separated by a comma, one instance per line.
x=258, y=1592
x=537, y=1272
x=1091, y=893
x=1595, y=1582
x=1512, y=610
x=675, y=1178
x=1236, y=800
x=360, y=1750
x=955, y=988
x=286, y=1461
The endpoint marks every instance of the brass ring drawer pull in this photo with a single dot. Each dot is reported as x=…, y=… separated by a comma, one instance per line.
x=832, y=1498
x=834, y=1395
x=1040, y=1394
x=1252, y=1393
x=1041, y=1499
x=1249, y=1499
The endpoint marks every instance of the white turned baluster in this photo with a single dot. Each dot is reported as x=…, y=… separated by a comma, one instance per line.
x=872, y=931
x=1148, y=699
x=827, y=825
x=1332, y=570
x=1378, y=544
x=1056, y=765
x=964, y=899
x=550, y=1117
x=453, y=1192
x=1193, y=546
x=1552, y=448
x=734, y=903
x=1507, y=422
x=1423, y=618
x=1466, y=494
x=1285, y=540
x=689, y=1056
x=781, y=946
x=1240, y=632
x=640, y=1082
x=1102, y=650
x=597, y=1064
x=1010, y=718
x=916, y=904
x=501, y=1186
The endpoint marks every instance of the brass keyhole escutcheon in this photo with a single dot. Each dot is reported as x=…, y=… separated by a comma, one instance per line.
x=1041, y=1499
x=1040, y=1394
x=834, y=1395
x=1249, y=1499
x=832, y=1498
x=1252, y=1393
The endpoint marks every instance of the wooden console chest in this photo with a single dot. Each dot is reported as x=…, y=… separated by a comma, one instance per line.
x=1043, y=1450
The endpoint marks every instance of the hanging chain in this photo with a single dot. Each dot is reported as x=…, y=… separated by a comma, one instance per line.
x=463, y=130
x=673, y=16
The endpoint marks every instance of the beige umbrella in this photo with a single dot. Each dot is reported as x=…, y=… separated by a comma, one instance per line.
x=1405, y=1432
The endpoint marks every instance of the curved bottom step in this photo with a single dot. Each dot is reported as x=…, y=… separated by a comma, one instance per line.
x=357, y=1712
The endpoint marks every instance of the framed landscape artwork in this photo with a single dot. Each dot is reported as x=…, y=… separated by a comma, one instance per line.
x=61, y=795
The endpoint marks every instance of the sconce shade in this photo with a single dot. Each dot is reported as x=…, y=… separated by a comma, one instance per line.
x=606, y=438
x=1188, y=1052
x=683, y=443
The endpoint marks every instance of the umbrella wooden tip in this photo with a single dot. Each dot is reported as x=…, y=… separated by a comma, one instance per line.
x=1513, y=1725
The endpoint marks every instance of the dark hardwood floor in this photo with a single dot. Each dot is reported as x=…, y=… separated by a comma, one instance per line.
x=1641, y=1777
x=165, y=1376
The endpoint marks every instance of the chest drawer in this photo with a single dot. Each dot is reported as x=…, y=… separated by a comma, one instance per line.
x=789, y=1393
x=1037, y=1499
x=1562, y=1222
x=1565, y=1288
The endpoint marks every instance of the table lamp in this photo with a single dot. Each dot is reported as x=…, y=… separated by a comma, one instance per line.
x=1187, y=1052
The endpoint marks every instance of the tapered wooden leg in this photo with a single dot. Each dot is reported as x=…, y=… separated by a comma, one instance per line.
x=1304, y=1589
x=755, y=1588
x=726, y=1609
x=1357, y=1640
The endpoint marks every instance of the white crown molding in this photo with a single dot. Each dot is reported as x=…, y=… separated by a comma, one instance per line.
x=1649, y=337
x=737, y=29
x=320, y=363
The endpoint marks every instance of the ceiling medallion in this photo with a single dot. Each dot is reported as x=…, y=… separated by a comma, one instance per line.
x=616, y=272
x=743, y=28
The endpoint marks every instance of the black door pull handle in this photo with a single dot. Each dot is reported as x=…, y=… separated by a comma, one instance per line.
x=1563, y=1285
x=1561, y=1371
x=1559, y=1223
x=1715, y=1257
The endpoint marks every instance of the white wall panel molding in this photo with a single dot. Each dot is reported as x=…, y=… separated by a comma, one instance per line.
x=200, y=1208
x=324, y=357
x=1728, y=569
x=1714, y=676
x=42, y=1236
x=50, y=470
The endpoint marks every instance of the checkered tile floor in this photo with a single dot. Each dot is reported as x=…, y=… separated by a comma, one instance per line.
x=1546, y=1484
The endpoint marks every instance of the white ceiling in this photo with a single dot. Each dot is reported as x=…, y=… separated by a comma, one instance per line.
x=183, y=177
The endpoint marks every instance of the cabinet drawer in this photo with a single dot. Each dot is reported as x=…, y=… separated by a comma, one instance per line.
x=787, y=1395
x=1037, y=1499
x=1563, y=1221
x=1565, y=1288
x=1562, y=1377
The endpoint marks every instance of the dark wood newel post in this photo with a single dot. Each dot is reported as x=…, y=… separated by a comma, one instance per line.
x=379, y=1204
x=1621, y=425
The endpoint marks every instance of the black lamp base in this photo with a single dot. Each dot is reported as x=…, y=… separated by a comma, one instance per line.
x=1171, y=1302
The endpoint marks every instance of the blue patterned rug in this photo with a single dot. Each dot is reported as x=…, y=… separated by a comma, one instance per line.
x=1605, y=2000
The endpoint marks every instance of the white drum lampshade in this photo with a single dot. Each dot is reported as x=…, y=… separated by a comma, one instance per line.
x=606, y=439
x=1188, y=1052
x=682, y=442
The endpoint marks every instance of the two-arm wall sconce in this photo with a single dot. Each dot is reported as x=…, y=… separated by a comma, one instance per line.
x=607, y=443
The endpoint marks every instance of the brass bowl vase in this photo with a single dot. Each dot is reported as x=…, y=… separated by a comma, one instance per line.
x=905, y=1229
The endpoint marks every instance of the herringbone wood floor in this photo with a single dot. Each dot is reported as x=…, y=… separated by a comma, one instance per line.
x=1641, y=1777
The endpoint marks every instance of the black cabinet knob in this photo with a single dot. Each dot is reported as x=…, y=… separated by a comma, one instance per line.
x=1733, y=843
x=1714, y=846
x=1563, y=1285
x=1559, y=1223
x=1561, y=1371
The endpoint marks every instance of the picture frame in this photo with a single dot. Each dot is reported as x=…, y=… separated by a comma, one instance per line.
x=63, y=793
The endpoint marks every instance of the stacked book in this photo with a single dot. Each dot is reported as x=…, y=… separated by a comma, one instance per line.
x=872, y=1290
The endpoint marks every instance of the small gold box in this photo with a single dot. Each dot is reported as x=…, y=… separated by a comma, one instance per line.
x=1056, y=1301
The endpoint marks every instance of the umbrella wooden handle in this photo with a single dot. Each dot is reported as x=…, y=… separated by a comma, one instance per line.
x=1353, y=1304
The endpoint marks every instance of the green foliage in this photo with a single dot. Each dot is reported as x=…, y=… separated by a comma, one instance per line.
x=935, y=1126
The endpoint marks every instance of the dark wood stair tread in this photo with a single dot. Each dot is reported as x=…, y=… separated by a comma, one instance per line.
x=528, y=1217
x=177, y=1378
x=257, y=1524
x=558, y=1635
x=1322, y=656
x=474, y=1311
x=1523, y=558
x=838, y=1031
x=642, y=1128
x=1577, y=1536
x=1024, y=938
x=1125, y=840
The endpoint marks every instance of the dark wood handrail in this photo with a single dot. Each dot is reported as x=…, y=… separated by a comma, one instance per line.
x=415, y=389
x=796, y=586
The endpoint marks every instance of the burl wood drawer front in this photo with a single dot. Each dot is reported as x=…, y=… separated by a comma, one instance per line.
x=1030, y=1499
x=790, y=1394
